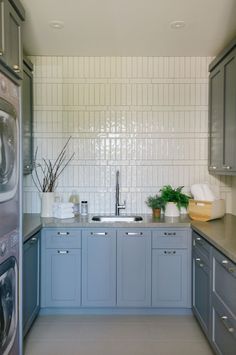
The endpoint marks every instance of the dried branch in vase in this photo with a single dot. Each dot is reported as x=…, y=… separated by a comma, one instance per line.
x=45, y=175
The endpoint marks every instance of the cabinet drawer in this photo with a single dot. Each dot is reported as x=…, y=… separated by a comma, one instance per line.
x=170, y=238
x=201, y=260
x=199, y=243
x=223, y=328
x=62, y=238
x=224, y=280
x=96, y=233
x=133, y=233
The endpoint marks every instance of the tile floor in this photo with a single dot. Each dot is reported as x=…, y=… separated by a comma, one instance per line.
x=116, y=335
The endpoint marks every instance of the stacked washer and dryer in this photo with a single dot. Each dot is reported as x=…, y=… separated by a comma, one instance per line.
x=10, y=213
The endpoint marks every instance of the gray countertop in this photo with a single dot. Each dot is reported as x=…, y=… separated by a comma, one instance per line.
x=221, y=233
x=147, y=222
x=31, y=225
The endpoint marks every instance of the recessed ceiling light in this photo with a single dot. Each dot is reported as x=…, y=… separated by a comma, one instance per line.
x=57, y=25
x=177, y=25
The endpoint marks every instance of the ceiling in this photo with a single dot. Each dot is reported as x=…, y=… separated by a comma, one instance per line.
x=128, y=27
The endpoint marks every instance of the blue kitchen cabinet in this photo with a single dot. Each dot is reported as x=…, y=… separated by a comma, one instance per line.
x=223, y=304
x=201, y=280
x=31, y=280
x=61, y=268
x=171, y=273
x=133, y=268
x=99, y=267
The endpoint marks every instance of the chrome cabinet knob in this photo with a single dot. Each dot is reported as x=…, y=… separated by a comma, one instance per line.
x=16, y=68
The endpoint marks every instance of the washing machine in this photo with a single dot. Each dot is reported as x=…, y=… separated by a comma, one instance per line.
x=9, y=298
x=10, y=216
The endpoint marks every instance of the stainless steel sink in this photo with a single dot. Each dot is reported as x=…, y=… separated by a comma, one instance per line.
x=117, y=218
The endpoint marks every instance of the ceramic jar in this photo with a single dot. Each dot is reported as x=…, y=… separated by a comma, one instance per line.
x=47, y=200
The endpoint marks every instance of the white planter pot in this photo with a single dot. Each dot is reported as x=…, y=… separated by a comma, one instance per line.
x=183, y=210
x=172, y=210
x=47, y=200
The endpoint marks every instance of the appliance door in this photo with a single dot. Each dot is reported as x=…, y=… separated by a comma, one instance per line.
x=8, y=304
x=8, y=151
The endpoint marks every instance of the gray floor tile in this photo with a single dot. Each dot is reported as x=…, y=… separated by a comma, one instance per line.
x=116, y=335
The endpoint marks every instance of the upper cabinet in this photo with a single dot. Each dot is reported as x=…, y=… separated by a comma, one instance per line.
x=12, y=15
x=27, y=116
x=222, y=113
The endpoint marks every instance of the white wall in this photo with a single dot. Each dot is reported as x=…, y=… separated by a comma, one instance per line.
x=145, y=116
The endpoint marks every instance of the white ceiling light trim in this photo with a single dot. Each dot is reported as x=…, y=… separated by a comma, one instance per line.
x=177, y=25
x=56, y=25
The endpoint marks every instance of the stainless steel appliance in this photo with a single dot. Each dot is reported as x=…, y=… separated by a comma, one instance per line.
x=9, y=217
x=9, y=331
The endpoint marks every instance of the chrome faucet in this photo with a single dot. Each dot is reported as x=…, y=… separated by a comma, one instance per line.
x=118, y=207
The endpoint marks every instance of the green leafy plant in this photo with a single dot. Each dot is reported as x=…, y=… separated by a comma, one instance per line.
x=169, y=194
x=155, y=202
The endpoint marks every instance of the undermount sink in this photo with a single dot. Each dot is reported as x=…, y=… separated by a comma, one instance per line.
x=117, y=218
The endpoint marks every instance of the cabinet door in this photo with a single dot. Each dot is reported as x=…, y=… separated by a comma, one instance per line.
x=201, y=291
x=2, y=29
x=31, y=280
x=216, y=122
x=170, y=278
x=27, y=119
x=14, y=42
x=61, y=278
x=134, y=268
x=223, y=328
x=229, y=65
x=99, y=268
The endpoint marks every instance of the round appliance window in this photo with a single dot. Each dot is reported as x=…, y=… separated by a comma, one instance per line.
x=8, y=151
x=8, y=301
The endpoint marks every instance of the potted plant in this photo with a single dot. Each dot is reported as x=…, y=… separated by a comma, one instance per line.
x=45, y=177
x=174, y=200
x=156, y=203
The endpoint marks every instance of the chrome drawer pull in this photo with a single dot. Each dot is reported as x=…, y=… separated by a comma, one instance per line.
x=169, y=233
x=213, y=167
x=63, y=252
x=99, y=233
x=224, y=262
x=33, y=240
x=170, y=252
x=134, y=233
x=63, y=233
x=224, y=319
x=199, y=262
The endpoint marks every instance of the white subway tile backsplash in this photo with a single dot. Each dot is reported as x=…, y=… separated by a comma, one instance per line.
x=146, y=116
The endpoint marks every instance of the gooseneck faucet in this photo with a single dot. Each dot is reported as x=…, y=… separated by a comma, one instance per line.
x=118, y=207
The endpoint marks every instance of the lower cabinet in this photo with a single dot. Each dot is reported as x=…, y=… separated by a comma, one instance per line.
x=61, y=268
x=116, y=267
x=31, y=280
x=201, y=281
x=63, y=278
x=223, y=304
x=133, y=268
x=214, y=300
x=99, y=268
x=171, y=276
x=170, y=286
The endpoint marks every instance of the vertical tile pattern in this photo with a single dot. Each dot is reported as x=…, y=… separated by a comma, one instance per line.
x=145, y=116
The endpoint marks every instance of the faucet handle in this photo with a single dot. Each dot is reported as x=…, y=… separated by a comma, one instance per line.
x=124, y=205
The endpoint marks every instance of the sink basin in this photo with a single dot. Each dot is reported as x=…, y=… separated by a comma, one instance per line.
x=117, y=219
